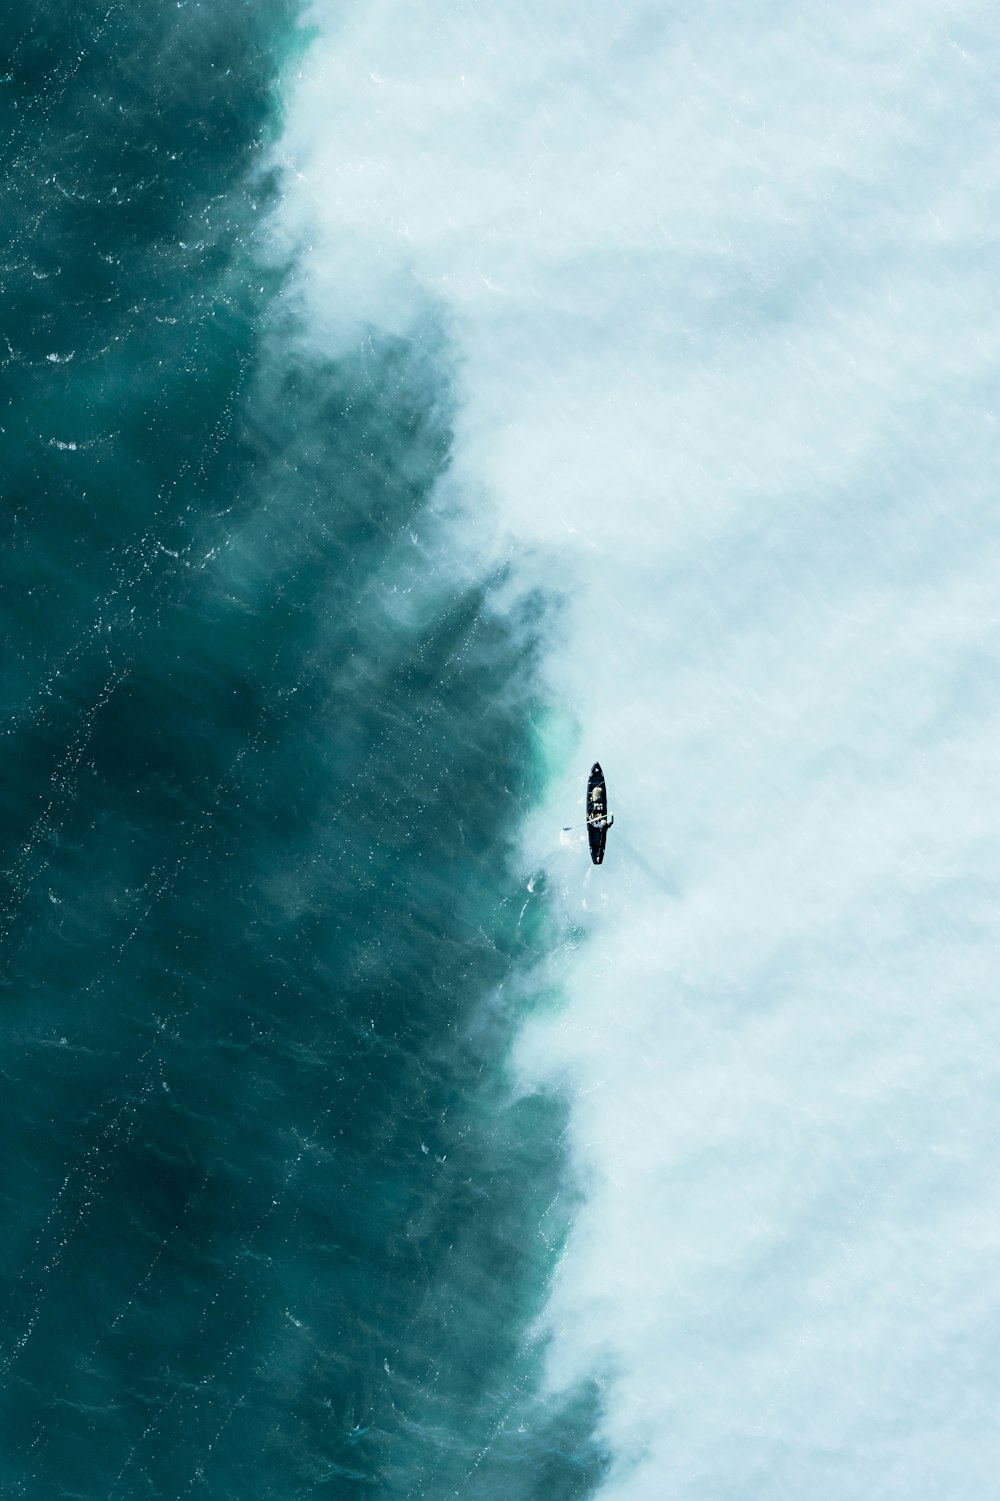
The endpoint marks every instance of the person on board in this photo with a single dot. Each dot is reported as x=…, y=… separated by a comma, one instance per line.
x=596, y=817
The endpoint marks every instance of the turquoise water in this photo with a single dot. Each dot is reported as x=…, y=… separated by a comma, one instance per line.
x=275, y=1223
x=401, y=411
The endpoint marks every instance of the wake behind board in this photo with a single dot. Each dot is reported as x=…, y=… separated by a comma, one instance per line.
x=597, y=813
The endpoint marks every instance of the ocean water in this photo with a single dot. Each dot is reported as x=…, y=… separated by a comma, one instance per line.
x=403, y=407
x=275, y=1222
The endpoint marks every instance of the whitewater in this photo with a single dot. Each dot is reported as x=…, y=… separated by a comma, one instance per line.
x=714, y=289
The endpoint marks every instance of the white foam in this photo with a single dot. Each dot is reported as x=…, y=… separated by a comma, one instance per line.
x=720, y=286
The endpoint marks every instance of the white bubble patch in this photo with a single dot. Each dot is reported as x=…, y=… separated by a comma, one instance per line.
x=720, y=284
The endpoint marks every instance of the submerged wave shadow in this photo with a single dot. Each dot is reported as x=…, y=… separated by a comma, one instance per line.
x=658, y=878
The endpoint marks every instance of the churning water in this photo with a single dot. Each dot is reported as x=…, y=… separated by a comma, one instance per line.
x=405, y=406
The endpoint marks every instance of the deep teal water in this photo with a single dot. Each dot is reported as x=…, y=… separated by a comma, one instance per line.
x=273, y=1224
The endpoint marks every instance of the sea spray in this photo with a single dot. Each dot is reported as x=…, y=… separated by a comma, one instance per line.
x=720, y=293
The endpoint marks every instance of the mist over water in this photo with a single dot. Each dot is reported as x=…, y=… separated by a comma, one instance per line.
x=717, y=286
x=404, y=407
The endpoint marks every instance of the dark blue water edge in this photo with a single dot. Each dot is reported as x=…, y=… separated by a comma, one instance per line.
x=274, y=1223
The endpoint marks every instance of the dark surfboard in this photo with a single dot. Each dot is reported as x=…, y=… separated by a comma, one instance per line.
x=597, y=813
